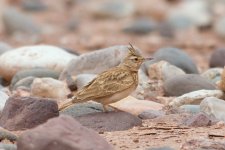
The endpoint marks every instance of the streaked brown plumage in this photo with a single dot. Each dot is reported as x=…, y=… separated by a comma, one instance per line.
x=112, y=85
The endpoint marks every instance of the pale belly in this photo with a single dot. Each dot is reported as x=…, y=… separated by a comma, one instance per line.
x=116, y=97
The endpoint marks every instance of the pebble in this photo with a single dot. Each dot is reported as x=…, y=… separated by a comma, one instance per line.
x=213, y=106
x=24, y=83
x=5, y=134
x=160, y=148
x=202, y=144
x=4, y=47
x=213, y=74
x=217, y=58
x=222, y=82
x=83, y=79
x=34, y=72
x=151, y=114
x=3, y=98
x=22, y=113
x=181, y=84
x=81, y=109
x=95, y=62
x=33, y=5
x=176, y=57
x=194, y=109
x=135, y=106
x=163, y=70
x=190, y=14
x=39, y=56
x=15, y=21
x=200, y=120
x=113, y=9
x=219, y=27
x=195, y=97
x=49, y=88
x=8, y=146
x=110, y=121
x=141, y=26
x=75, y=136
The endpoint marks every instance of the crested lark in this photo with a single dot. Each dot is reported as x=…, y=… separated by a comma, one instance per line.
x=112, y=85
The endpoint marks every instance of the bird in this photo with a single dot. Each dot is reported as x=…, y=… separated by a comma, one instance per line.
x=111, y=85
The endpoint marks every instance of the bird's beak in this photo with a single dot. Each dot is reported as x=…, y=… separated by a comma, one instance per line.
x=147, y=59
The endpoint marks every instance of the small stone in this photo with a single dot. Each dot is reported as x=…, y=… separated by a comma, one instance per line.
x=213, y=106
x=110, y=121
x=34, y=72
x=151, y=114
x=199, y=120
x=81, y=109
x=49, y=88
x=217, y=58
x=195, y=97
x=222, y=82
x=141, y=26
x=5, y=134
x=163, y=70
x=176, y=57
x=22, y=113
x=194, y=109
x=135, y=106
x=30, y=57
x=15, y=21
x=113, y=9
x=213, y=74
x=92, y=63
x=8, y=146
x=33, y=5
x=203, y=144
x=83, y=79
x=182, y=84
x=160, y=148
x=3, y=98
x=24, y=83
x=63, y=133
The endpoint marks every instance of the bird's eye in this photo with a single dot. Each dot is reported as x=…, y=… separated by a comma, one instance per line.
x=136, y=59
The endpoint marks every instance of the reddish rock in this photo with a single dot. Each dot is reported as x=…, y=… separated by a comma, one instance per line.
x=111, y=121
x=27, y=112
x=62, y=133
x=203, y=144
x=200, y=120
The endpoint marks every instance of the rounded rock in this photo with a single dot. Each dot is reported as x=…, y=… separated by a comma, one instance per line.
x=182, y=84
x=217, y=58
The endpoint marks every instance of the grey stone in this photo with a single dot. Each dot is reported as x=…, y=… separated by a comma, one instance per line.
x=83, y=79
x=214, y=107
x=141, y=26
x=190, y=108
x=182, y=84
x=34, y=72
x=160, y=148
x=8, y=146
x=15, y=21
x=217, y=58
x=151, y=114
x=33, y=5
x=24, y=83
x=4, y=134
x=176, y=57
x=95, y=62
x=110, y=121
x=62, y=133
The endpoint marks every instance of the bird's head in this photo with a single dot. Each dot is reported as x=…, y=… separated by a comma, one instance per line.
x=134, y=59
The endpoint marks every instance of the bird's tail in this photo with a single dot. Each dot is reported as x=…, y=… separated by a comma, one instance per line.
x=67, y=103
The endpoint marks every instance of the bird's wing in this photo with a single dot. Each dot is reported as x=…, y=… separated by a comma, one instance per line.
x=106, y=84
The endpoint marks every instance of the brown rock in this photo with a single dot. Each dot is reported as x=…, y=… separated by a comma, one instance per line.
x=62, y=133
x=27, y=112
x=111, y=121
x=203, y=144
x=200, y=120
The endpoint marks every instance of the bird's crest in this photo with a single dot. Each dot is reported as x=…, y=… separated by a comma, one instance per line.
x=132, y=50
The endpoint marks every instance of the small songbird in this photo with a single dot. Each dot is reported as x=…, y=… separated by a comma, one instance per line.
x=112, y=85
